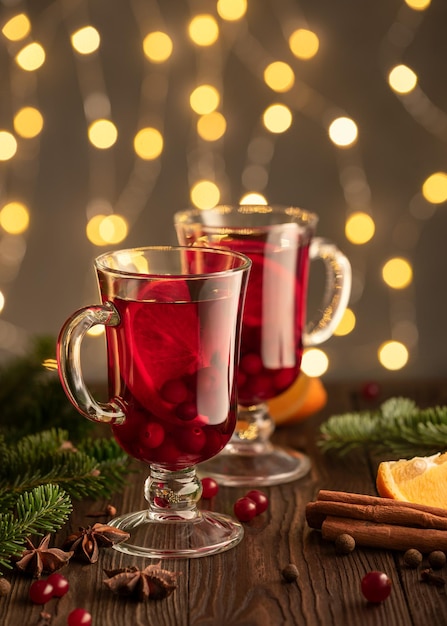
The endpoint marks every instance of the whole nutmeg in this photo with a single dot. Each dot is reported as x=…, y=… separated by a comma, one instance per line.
x=344, y=543
x=437, y=559
x=5, y=586
x=290, y=573
x=413, y=558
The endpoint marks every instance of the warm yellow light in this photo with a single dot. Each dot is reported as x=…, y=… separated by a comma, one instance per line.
x=102, y=134
x=231, y=10
x=315, y=362
x=346, y=324
x=93, y=230
x=402, y=79
x=253, y=198
x=204, y=99
x=157, y=46
x=96, y=331
x=14, y=218
x=304, y=43
x=8, y=145
x=212, y=126
x=113, y=229
x=86, y=40
x=148, y=143
x=50, y=364
x=397, y=273
x=359, y=228
x=205, y=194
x=277, y=118
x=2, y=301
x=17, y=28
x=418, y=5
x=203, y=30
x=279, y=76
x=28, y=122
x=31, y=57
x=393, y=355
x=343, y=132
x=434, y=188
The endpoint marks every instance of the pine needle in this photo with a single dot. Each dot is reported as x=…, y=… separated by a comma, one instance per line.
x=397, y=427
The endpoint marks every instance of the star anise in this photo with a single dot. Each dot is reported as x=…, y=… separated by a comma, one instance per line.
x=87, y=541
x=42, y=559
x=151, y=582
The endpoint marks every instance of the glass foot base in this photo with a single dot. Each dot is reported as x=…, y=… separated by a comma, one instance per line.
x=273, y=467
x=157, y=537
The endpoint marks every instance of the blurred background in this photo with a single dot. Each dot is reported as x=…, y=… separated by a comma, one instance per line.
x=114, y=115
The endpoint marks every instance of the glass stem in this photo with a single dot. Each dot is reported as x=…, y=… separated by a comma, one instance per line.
x=173, y=495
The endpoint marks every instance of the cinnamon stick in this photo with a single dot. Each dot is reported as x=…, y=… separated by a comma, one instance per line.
x=388, y=536
x=382, y=512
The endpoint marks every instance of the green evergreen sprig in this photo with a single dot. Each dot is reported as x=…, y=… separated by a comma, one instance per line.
x=43, y=509
x=398, y=427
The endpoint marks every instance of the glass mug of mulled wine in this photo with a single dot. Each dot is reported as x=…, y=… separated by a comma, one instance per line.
x=172, y=318
x=280, y=241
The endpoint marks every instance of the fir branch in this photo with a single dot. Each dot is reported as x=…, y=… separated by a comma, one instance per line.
x=41, y=510
x=399, y=426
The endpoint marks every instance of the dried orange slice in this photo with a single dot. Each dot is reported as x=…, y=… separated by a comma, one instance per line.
x=305, y=397
x=422, y=480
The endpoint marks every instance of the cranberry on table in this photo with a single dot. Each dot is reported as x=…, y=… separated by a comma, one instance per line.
x=209, y=488
x=40, y=591
x=60, y=584
x=79, y=617
x=244, y=509
x=260, y=499
x=376, y=586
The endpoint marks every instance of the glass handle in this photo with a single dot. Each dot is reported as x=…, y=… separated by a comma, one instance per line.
x=69, y=362
x=336, y=293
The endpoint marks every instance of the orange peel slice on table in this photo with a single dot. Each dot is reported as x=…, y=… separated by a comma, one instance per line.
x=421, y=480
x=303, y=398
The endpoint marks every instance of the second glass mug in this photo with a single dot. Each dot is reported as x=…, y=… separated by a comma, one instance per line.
x=172, y=317
x=280, y=241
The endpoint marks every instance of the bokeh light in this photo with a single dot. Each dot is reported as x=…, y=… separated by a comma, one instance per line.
x=304, y=43
x=277, y=118
x=102, y=134
x=2, y=301
x=86, y=40
x=418, y=5
x=253, y=198
x=14, y=218
x=397, y=273
x=157, y=46
x=8, y=145
x=343, y=132
x=28, y=122
x=434, y=188
x=359, y=228
x=105, y=230
x=279, y=76
x=148, y=143
x=346, y=324
x=393, y=355
x=211, y=126
x=402, y=79
x=231, y=10
x=17, y=27
x=31, y=57
x=205, y=194
x=203, y=30
x=204, y=99
x=315, y=362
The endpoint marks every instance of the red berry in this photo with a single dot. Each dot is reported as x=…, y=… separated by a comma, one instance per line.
x=209, y=488
x=244, y=509
x=40, y=591
x=79, y=617
x=371, y=391
x=60, y=584
x=376, y=586
x=251, y=363
x=174, y=391
x=152, y=435
x=260, y=499
x=193, y=439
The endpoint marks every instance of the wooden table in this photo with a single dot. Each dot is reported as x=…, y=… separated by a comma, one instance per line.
x=244, y=587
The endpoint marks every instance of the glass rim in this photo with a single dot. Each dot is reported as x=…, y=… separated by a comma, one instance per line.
x=305, y=217
x=100, y=264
